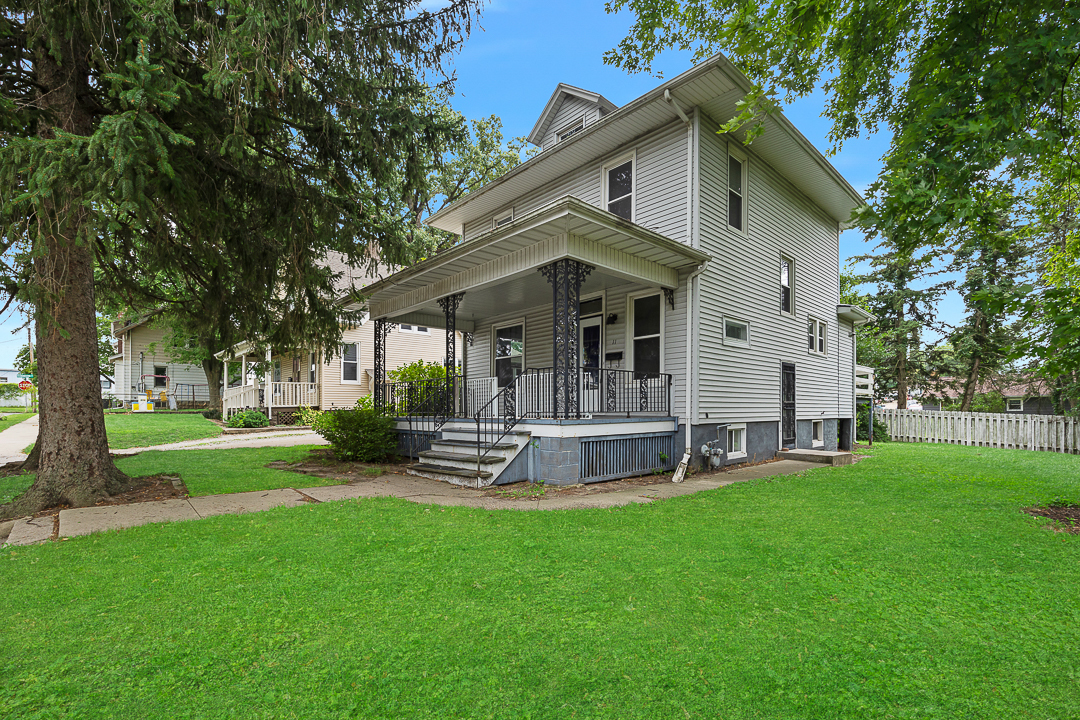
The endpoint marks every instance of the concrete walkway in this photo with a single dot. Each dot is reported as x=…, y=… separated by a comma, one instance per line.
x=16, y=438
x=83, y=521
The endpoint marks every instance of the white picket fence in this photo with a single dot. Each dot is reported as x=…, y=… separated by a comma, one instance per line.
x=1049, y=433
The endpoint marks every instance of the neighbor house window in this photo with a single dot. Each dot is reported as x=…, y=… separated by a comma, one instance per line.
x=313, y=370
x=1014, y=404
x=572, y=129
x=646, y=323
x=160, y=373
x=736, y=440
x=509, y=353
x=619, y=188
x=787, y=277
x=277, y=371
x=350, y=362
x=816, y=332
x=818, y=433
x=736, y=332
x=737, y=192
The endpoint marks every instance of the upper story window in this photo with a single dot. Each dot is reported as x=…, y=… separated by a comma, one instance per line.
x=787, y=282
x=736, y=332
x=619, y=187
x=737, y=191
x=499, y=220
x=816, y=333
x=572, y=129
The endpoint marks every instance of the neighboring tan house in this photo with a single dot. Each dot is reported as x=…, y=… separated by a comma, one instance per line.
x=642, y=286
x=300, y=378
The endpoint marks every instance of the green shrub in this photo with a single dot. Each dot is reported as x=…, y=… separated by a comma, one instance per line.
x=418, y=370
x=308, y=415
x=366, y=402
x=248, y=419
x=362, y=435
x=881, y=430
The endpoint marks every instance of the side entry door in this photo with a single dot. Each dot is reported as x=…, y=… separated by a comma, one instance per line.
x=787, y=405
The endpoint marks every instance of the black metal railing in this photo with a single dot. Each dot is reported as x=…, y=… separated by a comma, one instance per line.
x=426, y=405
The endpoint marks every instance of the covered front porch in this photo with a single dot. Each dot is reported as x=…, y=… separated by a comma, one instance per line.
x=571, y=316
x=277, y=383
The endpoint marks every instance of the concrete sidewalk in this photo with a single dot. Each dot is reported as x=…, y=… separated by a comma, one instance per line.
x=83, y=521
x=16, y=438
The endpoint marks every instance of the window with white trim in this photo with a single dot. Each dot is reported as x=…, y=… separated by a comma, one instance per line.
x=787, y=284
x=736, y=191
x=313, y=371
x=350, y=362
x=505, y=219
x=818, y=433
x=646, y=327
x=572, y=129
x=414, y=329
x=277, y=371
x=619, y=187
x=736, y=332
x=509, y=355
x=816, y=334
x=736, y=440
x=1014, y=404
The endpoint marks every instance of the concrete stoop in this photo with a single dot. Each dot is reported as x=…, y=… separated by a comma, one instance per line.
x=824, y=457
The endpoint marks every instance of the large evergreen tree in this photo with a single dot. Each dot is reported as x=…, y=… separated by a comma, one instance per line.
x=132, y=128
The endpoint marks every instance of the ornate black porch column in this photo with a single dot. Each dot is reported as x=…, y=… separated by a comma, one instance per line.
x=565, y=276
x=382, y=328
x=450, y=304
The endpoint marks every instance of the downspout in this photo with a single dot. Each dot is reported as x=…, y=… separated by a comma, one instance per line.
x=691, y=342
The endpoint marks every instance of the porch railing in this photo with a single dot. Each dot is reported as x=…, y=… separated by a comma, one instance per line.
x=426, y=405
x=242, y=396
x=294, y=394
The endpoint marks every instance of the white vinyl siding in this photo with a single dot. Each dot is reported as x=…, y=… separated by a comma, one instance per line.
x=660, y=185
x=151, y=342
x=571, y=110
x=740, y=384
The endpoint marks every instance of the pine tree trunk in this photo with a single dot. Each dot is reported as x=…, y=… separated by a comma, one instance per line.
x=74, y=465
x=213, y=370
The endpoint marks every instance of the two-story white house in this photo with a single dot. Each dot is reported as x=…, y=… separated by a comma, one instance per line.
x=640, y=287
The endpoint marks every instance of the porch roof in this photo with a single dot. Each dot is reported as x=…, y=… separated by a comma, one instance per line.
x=508, y=258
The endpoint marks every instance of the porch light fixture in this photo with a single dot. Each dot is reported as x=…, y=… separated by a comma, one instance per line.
x=611, y=319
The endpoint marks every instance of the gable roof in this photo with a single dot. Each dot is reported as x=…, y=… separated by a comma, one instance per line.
x=714, y=86
x=562, y=91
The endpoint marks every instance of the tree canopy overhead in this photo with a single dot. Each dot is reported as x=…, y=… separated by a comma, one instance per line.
x=971, y=91
x=142, y=137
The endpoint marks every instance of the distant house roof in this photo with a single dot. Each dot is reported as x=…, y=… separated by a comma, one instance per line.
x=952, y=388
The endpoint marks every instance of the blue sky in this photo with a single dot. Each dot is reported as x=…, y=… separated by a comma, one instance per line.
x=526, y=47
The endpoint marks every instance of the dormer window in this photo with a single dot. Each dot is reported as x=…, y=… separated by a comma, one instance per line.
x=499, y=220
x=619, y=187
x=572, y=129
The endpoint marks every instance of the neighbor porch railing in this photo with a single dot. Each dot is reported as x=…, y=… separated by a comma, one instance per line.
x=282, y=394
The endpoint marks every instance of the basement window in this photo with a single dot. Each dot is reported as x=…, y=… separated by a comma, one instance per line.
x=818, y=433
x=736, y=441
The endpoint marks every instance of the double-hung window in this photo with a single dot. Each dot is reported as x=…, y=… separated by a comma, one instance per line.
x=161, y=378
x=350, y=362
x=619, y=187
x=787, y=282
x=313, y=370
x=736, y=191
x=816, y=334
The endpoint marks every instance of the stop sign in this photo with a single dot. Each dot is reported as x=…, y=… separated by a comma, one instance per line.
x=25, y=385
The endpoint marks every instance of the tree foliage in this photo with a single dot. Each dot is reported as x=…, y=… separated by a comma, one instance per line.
x=176, y=148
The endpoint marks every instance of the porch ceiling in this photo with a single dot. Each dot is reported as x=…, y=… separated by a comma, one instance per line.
x=498, y=271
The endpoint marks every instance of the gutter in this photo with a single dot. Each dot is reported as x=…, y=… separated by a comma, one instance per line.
x=691, y=337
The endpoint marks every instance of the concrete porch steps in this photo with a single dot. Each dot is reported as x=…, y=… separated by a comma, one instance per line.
x=452, y=458
x=825, y=457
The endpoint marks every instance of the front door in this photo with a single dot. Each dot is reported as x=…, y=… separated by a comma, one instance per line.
x=590, y=345
x=787, y=405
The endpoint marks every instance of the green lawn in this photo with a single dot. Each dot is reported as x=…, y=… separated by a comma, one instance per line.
x=139, y=430
x=213, y=472
x=8, y=421
x=909, y=585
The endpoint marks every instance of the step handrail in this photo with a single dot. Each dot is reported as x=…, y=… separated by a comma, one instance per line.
x=511, y=416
